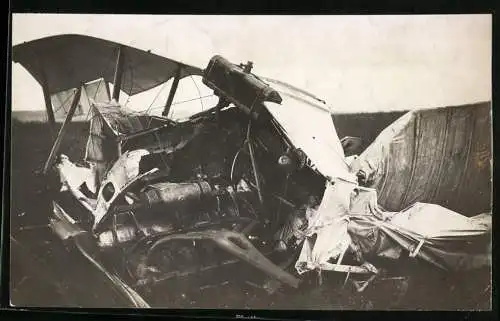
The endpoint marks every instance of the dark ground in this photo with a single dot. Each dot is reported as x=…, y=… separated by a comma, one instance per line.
x=424, y=288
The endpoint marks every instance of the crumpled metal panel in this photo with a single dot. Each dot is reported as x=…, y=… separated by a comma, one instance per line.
x=123, y=173
x=309, y=126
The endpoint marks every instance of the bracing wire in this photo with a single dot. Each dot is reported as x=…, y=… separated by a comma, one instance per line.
x=199, y=92
x=97, y=89
x=145, y=111
x=90, y=117
x=104, y=80
x=92, y=144
x=61, y=106
x=154, y=99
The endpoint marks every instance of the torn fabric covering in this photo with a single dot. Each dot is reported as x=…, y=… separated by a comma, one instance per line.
x=439, y=223
x=118, y=119
x=329, y=224
x=61, y=103
x=72, y=176
x=430, y=232
x=440, y=156
x=108, y=120
x=95, y=91
x=309, y=126
x=402, y=170
x=349, y=218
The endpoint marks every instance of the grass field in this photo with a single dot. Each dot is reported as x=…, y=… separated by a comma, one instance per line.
x=30, y=146
x=428, y=289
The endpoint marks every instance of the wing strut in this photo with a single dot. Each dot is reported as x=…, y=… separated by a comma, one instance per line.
x=117, y=81
x=48, y=103
x=62, y=131
x=171, y=94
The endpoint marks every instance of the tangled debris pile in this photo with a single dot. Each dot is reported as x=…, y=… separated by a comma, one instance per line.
x=247, y=181
x=350, y=219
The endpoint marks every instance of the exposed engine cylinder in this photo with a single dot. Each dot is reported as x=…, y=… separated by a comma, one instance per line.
x=176, y=193
x=121, y=235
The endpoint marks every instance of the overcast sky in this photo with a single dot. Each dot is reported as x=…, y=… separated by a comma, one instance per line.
x=355, y=63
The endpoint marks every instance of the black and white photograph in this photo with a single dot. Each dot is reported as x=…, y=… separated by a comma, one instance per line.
x=291, y=162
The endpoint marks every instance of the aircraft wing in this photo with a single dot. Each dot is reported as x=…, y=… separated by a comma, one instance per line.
x=67, y=61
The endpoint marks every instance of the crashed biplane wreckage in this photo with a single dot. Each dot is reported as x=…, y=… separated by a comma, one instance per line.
x=243, y=181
